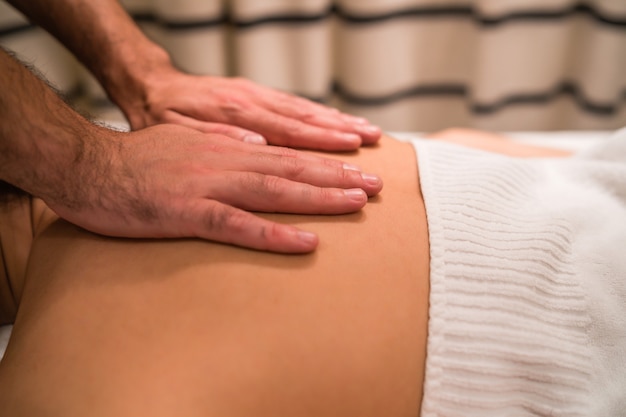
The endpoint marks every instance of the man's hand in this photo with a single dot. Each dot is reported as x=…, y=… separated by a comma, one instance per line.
x=246, y=111
x=171, y=181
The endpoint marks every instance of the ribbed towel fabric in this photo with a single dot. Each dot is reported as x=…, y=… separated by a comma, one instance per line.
x=528, y=282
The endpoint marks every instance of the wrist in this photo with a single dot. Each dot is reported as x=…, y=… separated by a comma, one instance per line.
x=130, y=81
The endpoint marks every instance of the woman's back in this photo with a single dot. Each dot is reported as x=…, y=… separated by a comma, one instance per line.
x=196, y=328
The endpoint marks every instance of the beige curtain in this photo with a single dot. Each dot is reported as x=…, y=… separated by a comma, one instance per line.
x=413, y=65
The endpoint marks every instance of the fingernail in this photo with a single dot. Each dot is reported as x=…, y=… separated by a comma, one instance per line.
x=351, y=167
x=371, y=179
x=355, y=194
x=307, y=237
x=255, y=139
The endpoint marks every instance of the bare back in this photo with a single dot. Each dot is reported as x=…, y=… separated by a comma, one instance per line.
x=111, y=327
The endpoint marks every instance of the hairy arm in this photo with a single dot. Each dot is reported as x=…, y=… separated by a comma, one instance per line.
x=40, y=136
x=139, y=77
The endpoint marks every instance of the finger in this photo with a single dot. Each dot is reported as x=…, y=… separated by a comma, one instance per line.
x=218, y=161
x=234, y=132
x=267, y=193
x=369, y=133
x=320, y=115
x=286, y=163
x=288, y=153
x=209, y=219
x=286, y=131
x=314, y=172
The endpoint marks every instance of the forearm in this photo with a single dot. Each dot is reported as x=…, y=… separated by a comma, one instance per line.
x=104, y=38
x=40, y=136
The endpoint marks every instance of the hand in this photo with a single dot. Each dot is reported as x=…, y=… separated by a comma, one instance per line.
x=171, y=181
x=243, y=110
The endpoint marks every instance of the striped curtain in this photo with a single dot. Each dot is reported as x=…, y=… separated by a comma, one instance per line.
x=407, y=65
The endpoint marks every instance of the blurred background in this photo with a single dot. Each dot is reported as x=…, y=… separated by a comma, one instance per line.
x=407, y=65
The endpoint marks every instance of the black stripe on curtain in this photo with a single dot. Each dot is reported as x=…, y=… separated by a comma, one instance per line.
x=429, y=12
x=565, y=88
x=424, y=12
x=413, y=13
x=581, y=8
x=181, y=25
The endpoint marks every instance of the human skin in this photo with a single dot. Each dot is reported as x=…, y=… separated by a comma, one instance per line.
x=165, y=180
x=140, y=78
x=192, y=328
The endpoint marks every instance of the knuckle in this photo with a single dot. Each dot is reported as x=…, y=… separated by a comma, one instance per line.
x=218, y=217
x=308, y=117
x=320, y=200
x=292, y=168
x=270, y=232
x=294, y=130
x=302, y=113
x=350, y=176
x=265, y=186
x=234, y=106
x=326, y=194
x=285, y=152
x=238, y=221
x=271, y=186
